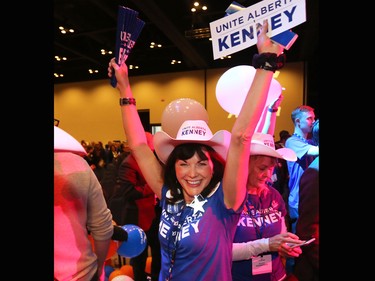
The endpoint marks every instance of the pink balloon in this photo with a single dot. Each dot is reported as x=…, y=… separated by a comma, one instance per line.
x=233, y=85
x=180, y=110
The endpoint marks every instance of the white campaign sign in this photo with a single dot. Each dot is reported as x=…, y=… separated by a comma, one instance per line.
x=237, y=31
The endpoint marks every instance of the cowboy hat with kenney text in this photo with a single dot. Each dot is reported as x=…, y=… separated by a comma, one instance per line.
x=192, y=131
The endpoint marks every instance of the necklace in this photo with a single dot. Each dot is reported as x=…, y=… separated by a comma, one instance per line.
x=301, y=138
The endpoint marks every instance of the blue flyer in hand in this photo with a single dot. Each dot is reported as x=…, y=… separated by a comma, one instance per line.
x=129, y=26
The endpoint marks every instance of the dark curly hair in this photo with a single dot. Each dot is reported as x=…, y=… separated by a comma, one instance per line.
x=186, y=151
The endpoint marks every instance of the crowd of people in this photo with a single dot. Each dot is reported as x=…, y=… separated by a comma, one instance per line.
x=213, y=205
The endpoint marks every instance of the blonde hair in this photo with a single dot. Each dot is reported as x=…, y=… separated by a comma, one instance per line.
x=263, y=190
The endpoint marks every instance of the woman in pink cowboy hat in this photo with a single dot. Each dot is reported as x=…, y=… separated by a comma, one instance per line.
x=260, y=241
x=201, y=196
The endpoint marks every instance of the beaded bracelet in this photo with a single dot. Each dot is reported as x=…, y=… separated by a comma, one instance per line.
x=272, y=110
x=127, y=101
x=269, y=61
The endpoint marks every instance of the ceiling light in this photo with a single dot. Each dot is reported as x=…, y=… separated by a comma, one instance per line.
x=58, y=58
x=93, y=71
x=153, y=45
x=66, y=30
x=104, y=52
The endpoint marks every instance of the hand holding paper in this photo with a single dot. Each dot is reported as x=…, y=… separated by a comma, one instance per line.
x=129, y=26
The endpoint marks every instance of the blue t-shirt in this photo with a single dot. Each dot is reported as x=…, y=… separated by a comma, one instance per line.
x=201, y=237
x=296, y=169
x=261, y=218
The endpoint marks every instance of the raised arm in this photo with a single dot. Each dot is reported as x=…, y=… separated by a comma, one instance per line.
x=236, y=168
x=270, y=119
x=146, y=160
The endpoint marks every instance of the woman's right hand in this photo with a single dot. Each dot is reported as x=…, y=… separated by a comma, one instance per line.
x=276, y=103
x=278, y=243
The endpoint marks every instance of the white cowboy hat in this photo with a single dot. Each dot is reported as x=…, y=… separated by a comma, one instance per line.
x=191, y=131
x=263, y=144
x=63, y=142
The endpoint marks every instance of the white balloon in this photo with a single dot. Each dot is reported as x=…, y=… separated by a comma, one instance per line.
x=233, y=85
x=180, y=110
x=122, y=278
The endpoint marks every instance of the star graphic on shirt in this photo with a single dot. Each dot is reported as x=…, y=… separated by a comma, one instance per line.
x=197, y=205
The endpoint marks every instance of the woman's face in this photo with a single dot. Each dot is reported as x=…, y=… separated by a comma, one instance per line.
x=260, y=170
x=194, y=175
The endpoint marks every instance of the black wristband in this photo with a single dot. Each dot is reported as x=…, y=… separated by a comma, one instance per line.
x=126, y=101
x=269, y=61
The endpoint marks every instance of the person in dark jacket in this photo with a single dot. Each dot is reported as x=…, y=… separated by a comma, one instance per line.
x=135, y=203
x=307, y=264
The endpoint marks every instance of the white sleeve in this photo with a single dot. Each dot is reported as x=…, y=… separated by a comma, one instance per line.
x=246, y=250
